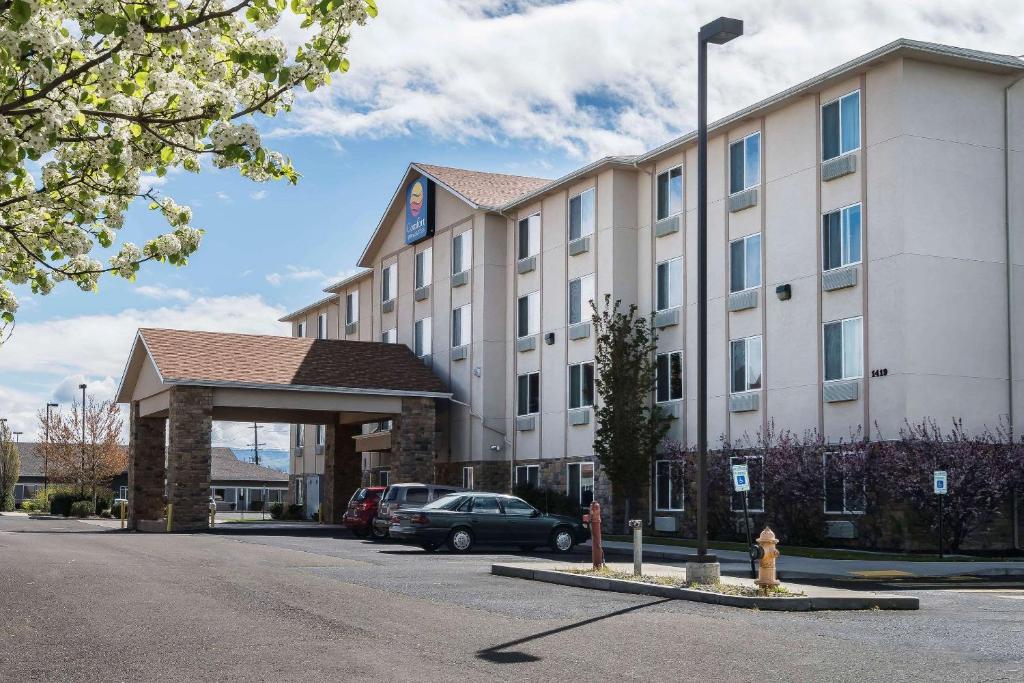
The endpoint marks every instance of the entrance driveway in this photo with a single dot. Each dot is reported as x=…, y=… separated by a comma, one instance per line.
x=82, y=601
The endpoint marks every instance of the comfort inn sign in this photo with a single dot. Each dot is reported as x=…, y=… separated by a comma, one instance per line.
x=419, y=210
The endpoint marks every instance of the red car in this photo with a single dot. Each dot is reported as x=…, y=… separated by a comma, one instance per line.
x=362, y=508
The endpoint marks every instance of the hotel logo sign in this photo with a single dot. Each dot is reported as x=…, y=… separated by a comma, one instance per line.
x=419, y=210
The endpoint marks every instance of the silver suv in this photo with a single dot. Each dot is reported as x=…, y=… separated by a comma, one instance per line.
x=399, y=496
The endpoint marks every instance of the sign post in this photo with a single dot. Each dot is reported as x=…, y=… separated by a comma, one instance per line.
x=940, y=485
x=741, y=484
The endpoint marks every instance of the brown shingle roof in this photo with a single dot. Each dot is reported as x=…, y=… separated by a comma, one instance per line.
x=484, y=189
x=247, y=359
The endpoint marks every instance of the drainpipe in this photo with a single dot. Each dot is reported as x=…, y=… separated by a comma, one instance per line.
x=652, y=240
x=1009, y=287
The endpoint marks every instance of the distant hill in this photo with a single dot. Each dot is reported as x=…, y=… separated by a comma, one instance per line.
x=269, y=457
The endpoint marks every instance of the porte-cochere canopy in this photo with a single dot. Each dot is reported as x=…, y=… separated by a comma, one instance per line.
x=177, y=382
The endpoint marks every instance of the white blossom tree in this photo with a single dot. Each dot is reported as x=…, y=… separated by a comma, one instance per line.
x=96, y=93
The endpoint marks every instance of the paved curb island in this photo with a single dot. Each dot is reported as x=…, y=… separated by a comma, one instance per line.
x=826, y=599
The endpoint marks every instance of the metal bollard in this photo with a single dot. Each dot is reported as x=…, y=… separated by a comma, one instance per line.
x=124, y=513
x=766, y=577
x=213, y=514
x=637, y=525
x=596, y=552
x=170, y=517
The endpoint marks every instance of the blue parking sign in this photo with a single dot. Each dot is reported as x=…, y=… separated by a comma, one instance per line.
x=940, y=482
x=740, y=478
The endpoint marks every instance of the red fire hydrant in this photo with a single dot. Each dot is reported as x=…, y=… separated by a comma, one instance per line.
x=596, y=553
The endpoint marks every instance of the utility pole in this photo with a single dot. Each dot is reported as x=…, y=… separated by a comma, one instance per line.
x=82, y=416
x=46, y=454
x=17, y=437
x=256, y=443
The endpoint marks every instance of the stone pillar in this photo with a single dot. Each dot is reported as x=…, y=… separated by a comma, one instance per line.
x=188, y=456
x=342, y=470
x=146, y=470
x=414, y=437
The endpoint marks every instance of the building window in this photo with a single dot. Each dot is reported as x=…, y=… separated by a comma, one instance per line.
x=844, y=352
x=421, y=337
x=755, y=497
x=581, y=214
x=529, y=237
x=840, y=237
x=745, y=163
x=844, y=483
x=462, y=252
x=745, y=263
x=300, y=329
x=528, y=315
x=580, y=484
x=581, y=296
x=300, y=437
x=467, y=478
x=528, y=476
x=389, y=336
x=351, y=307
x=840, y=126
x=581, y=385
x=669, y=284
x=670, y=192
x=383, y=476
x=389, y=283
x=321, y=435
x=462, y=326
x=669, y=373
x=668, y=485
x=321, y=326
x=745, y=355
x=528, y=394
x=424, y=267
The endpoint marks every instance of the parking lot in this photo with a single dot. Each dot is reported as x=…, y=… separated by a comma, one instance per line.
x=81, y=601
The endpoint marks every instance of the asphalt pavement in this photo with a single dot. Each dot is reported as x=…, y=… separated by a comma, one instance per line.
x=81, y=601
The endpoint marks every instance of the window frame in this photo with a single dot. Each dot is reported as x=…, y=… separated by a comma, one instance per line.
x=671, y=486
x=838, y=101
x=746, y=285
x=532, y=394
x=421, y=338
x=423, y=267
x=351, y=307
x=300, y=436
x=464, y=315
x=844, y=261
x=746, y=365
x=383, y=477
x=668, y=173
x=593, y=479
x=300, y=329
x=320, y=435
x=859, y=319
x=678, y=288
x=321, y=326
x=580, y=398
x=389, y=336
x=585, y=230
x=657, y=369
x=532, y=315
x=467, y=482
x=527, y=469
x=533, y=233
x=465, y=251
x=389, y=283
x=824, y=485
x=583, y=279
x=745, y=184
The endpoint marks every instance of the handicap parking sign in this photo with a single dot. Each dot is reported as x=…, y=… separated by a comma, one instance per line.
x=740, y=478
x=940, y=482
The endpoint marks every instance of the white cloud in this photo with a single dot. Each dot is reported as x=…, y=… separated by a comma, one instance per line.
x=151, y=181
x=224, y=196
x=258, y=195
x=299, y=273
x=164, y=293
x=597, y=77
x=239, y=435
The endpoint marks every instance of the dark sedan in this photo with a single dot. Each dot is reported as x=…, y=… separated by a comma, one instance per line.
x=462, y=520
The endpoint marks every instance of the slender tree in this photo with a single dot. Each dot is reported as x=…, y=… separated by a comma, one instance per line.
x=9, y=468
x=630, y=427
x=92, y=464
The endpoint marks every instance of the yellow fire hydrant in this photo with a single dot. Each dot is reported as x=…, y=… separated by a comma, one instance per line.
x=766, y=569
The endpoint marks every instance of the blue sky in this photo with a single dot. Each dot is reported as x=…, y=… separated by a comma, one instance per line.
x=530, y=88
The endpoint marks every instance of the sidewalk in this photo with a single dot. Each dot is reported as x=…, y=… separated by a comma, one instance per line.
x=738, y=563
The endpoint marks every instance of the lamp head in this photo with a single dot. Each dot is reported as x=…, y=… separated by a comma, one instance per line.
x=52, y=405
x=81, y=386
x=721, y=30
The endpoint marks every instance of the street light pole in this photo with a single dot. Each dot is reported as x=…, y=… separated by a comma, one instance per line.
x=82, y=416
x=46, y=452
x=719, y=31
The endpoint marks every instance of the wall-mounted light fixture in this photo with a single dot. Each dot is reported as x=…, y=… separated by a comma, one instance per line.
x=784, y=292
x=549, y=338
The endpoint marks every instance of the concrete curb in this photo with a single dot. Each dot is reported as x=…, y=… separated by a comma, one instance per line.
x=796, y=604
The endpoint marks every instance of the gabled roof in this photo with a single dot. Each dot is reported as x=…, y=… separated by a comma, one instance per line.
x=225, y=467
x=31, y=460
x=306, y=309
x=932, y=52
x=342, y=284
x=479, y=189
x=218, y=359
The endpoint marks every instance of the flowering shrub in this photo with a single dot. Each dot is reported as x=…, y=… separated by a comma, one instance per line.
x=100, y=92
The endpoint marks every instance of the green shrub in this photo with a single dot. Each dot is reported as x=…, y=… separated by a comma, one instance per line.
x=115, y=510
x=60, y=502
x=549, y=501
x=81, y=508
x=276, y=510
x=104, y=501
